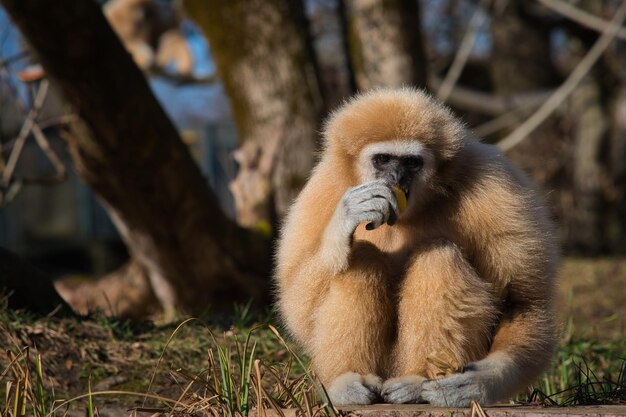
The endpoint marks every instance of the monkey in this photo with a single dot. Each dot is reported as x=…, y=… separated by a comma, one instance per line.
x=447, y=302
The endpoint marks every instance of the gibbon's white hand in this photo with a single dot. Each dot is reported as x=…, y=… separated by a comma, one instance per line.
x=373, y=202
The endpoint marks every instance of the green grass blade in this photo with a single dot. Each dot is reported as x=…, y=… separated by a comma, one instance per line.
x=39, y=387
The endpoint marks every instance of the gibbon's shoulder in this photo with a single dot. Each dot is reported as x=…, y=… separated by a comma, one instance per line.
x=386, y=114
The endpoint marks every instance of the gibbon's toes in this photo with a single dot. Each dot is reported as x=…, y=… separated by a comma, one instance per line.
x=402, y=390
x=458, y=390
x=373, y=383
x=351, y=388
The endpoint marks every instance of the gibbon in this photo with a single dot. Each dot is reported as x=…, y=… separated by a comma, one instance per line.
x=448, y=301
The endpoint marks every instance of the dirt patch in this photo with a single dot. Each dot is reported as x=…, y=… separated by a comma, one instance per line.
x=105, y=355
x=593, y=296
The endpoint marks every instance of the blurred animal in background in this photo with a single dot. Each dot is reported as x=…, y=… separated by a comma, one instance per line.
x=445, y=301
x=150, y=30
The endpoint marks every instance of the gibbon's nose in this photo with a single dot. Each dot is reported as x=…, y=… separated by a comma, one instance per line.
x=400, y=177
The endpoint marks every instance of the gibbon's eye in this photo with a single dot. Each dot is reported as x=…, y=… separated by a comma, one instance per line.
x=413, y=162
x=381, y=159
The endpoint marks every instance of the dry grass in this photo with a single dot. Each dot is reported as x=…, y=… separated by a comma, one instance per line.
x=57, y=366
x=232, y=381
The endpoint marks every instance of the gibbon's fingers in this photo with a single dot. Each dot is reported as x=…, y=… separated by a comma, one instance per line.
x=458, y=390
x=375, y=189
x=403, y=390
x=373, y=202
x=484, y=381
x=353, y=388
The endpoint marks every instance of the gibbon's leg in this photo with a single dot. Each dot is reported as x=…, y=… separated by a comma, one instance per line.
x=521, y=349
x=446, y=315
x=354, y=328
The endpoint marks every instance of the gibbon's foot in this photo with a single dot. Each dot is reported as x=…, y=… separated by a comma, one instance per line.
x=352, y=388
x=457, y=390
x=403, y=390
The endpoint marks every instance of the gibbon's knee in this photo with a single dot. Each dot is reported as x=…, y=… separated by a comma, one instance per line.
x=358, y=301
x=442, y=287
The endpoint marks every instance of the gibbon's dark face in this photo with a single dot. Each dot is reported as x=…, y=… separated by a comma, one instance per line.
x=407, y=164
x=399, y=170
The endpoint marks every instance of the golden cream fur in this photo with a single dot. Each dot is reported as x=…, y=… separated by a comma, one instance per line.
x=464, y=277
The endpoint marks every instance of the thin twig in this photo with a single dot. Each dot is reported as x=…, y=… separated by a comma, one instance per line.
x=477, y=410
x=487, y=103
x=503, y=121
x=59, y=167
x=569, y=84
x=460, y=59
x=64, y=119
x=27, y=127
x=580, y=16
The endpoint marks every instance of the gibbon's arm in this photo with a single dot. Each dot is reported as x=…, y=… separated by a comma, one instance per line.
x=516, y=252
x=372, y=202
x=522, y=347
x=316, y=240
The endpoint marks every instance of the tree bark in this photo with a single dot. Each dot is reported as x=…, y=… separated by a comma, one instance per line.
x=264, y=60
x=129, y=152
x=616, y=193
x=385, y=43
x=124, y=293
x=591, y=167
x=589, y=130
x=521, y=59
x=521, y=62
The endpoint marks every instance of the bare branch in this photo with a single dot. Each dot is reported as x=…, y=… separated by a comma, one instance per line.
x=569, y=84
x=503, y=121
x=27, y=127
x=182, y=79
x=486, y=103
x=54, y=159
x=580, y=16
x=64, y=119
x=460, y=59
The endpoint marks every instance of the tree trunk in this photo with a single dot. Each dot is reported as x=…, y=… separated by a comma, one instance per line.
x=589, y=130
x=527, y=66
x=124, y=293
x=385, y=43
x=592, y=222
x=616, y=195
x=264, y=60
x=521, y=60
x=129, y=152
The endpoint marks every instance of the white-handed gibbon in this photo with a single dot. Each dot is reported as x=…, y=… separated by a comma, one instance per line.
x=445, y=302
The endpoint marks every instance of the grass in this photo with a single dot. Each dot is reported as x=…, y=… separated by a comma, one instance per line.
x=189, y=369
x=584, y=372
x=49, y=365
